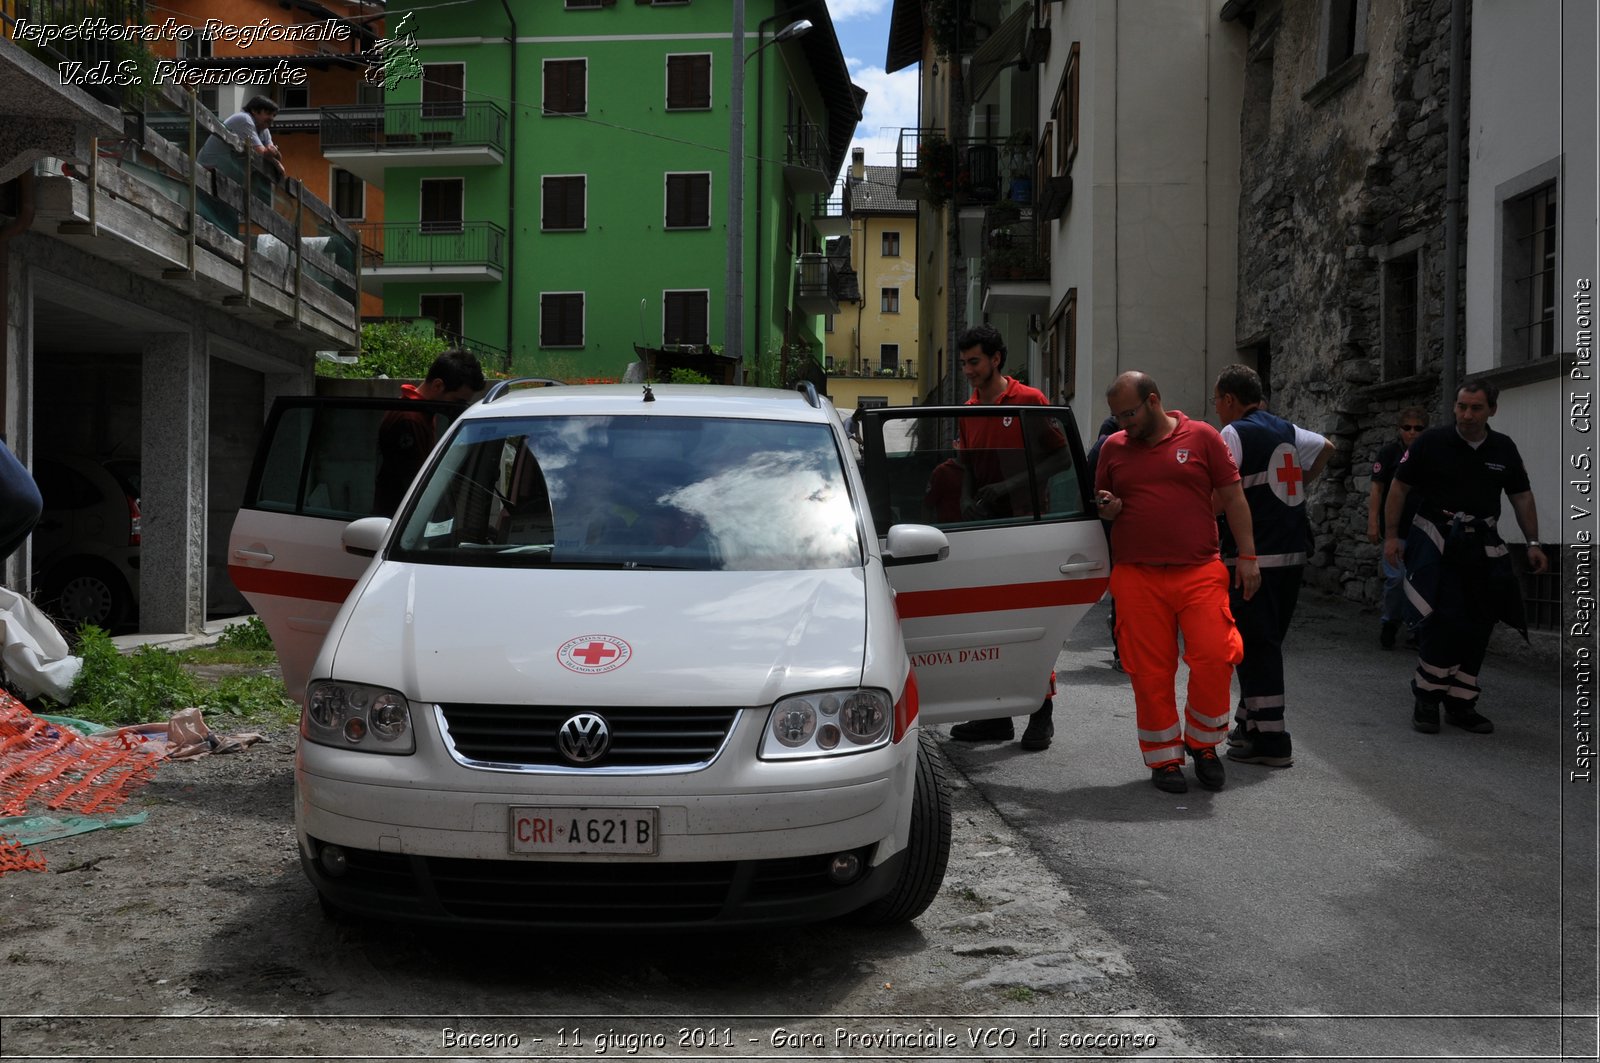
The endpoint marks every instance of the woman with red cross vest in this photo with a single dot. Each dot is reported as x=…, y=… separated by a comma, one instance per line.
x=1277, y=460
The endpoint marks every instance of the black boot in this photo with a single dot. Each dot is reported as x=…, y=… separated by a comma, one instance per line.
x=1040, y=730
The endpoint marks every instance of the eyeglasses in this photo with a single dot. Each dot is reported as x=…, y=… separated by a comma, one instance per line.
x=1412, y=427
x=1128, y=415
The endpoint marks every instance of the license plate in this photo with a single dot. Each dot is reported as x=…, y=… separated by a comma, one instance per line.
x=584, y=830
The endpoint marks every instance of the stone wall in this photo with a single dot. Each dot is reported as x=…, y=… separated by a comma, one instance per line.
x=1341, y=168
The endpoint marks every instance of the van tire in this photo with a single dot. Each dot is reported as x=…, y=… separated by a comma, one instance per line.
x=928, y=847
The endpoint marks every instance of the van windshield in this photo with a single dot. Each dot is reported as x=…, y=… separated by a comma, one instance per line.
x=634, y=492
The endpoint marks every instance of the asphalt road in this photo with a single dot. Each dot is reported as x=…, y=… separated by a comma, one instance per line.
x=1390, y=894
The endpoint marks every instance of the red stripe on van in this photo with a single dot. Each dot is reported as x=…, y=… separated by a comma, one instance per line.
x=913, y=604
x=290, y=584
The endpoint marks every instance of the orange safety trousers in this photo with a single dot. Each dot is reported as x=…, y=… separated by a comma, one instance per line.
x=1154, y=604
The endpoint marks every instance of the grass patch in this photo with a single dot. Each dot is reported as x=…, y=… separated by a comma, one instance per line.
x=1019, y=994
x=151, y=684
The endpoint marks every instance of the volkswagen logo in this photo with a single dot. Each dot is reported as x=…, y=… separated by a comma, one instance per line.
x=584, y=738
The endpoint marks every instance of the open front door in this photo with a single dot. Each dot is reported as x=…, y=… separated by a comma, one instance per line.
x=316, y=470
x=1028, y=555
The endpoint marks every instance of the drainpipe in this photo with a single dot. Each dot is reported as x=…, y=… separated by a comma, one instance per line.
x=1452, y=204
x=761, y=158
x=511, y=199
x=15, y=227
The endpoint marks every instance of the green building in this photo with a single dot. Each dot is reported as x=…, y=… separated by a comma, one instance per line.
x=555, y=183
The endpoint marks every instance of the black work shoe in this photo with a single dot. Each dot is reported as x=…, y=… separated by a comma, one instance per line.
x=1170, y=778
x=1208, y=770
x=1468, y=719
x=1387, y=633
x=1271, y=748
x=996, y=730
x=1040, y=729
x=1239, y=736
x=1425, y=717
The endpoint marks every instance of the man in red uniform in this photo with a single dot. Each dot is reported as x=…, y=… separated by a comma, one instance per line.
x=995, y=486
x=405, y=439
x=1160, y=481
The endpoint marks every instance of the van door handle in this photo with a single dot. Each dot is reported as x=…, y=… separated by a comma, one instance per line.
x=254, y=555
x=1082, y=566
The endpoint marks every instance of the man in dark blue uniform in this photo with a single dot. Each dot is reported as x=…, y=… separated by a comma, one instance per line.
x=1459, y=579
x=1277, y=460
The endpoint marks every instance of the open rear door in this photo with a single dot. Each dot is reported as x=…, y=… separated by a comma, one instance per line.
x=985, y=625
x=315, y=471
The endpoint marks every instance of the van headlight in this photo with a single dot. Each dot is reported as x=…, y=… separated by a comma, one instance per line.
x=357, y=716
x=827, y=722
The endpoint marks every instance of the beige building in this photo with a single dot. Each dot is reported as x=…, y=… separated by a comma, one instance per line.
x=872, y=350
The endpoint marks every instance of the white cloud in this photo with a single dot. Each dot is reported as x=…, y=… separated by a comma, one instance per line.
x=844, y=10
x=891, y=105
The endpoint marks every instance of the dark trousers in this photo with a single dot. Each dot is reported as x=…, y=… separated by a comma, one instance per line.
x=1263, y=622
x=1454, y=639
x=20, y=504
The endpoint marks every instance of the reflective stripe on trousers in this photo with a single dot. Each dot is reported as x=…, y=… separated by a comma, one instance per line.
x=1154, y=604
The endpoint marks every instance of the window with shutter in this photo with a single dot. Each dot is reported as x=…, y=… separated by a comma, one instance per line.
x=688, y=201
x=566, y=89
x=686, y=317
x=561, y=319
x=563, y=205
x=444, y=93
x=688, y=82
x=442, y=199
x=448, y=313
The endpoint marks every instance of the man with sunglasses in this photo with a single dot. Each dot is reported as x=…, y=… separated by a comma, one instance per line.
x=995, y=486
x=1413, y=420
x=1159, y=481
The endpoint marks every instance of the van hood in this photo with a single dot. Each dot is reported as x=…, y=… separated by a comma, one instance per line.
x=587, y=637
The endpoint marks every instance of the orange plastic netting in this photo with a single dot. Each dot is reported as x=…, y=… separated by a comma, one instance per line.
x=51, y=767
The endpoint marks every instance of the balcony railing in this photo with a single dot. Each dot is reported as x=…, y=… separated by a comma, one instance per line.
x=432, y=244
x=816, y=283
x=1013, y=250
x=144, y=200
x=805, y=157
x=410, y=127
x=974, y=171
x=89, y=50
x=828, y=212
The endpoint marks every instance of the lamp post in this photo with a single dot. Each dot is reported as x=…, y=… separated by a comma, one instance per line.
x=733, y=311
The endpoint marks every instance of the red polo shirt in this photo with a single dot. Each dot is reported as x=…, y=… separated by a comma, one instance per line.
x=1166, y=516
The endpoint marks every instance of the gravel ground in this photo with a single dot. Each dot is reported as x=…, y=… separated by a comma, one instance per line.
x=195, y=933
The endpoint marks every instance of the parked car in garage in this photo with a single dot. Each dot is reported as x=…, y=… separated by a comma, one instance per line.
x=86, y=544
x=644, y=658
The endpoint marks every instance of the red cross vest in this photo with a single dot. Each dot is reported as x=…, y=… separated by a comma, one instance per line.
x=1275, y=487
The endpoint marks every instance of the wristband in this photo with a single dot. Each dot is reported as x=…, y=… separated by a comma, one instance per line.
x=1247, y=557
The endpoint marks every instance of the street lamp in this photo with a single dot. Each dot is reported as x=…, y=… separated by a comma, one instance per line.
x=733, y=312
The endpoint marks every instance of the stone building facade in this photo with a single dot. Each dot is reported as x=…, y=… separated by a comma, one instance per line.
x=1342, y=237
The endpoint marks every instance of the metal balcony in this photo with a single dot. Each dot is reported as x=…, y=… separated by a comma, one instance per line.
x=805, y=158
x=366, y=140
x=430, y=251
x=828, y=213
x=1016, y=262
x=816, y=284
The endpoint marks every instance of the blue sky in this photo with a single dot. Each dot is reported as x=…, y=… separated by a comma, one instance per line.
x=863, y=28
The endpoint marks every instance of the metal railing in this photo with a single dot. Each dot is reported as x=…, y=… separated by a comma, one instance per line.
x=86, y=50
x=413, y=126
x=400, y=243
x=1012, y=248
x=805, y=145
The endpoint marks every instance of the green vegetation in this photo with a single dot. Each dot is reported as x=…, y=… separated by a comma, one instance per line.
x=152, y=684
x=688, y=376
x=395, y=349
x=250, y=634
x=1019, y=994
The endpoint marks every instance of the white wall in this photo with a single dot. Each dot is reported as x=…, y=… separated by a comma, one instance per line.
x=1533, y=105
